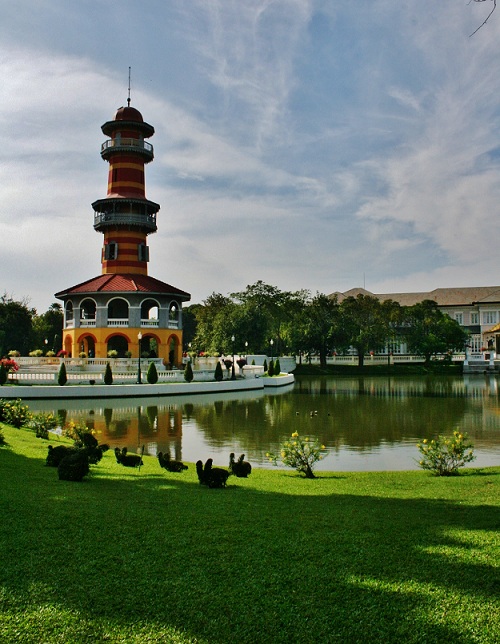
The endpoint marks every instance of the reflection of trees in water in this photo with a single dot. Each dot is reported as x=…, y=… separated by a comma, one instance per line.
x=359, y=418
x=361, y=413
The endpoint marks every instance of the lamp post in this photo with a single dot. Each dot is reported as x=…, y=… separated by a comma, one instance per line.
x=233, y=376
x=246, y=349
x=272, y=343
x=139, y=378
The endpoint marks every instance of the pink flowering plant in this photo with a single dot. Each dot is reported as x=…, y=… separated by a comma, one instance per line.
x=301, y=453
x=444, y=456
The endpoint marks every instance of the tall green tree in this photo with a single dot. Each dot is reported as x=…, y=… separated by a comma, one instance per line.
x=367, y=323
x=16, y=326
x=429, y=331
x=317, y=326
x=48, y=328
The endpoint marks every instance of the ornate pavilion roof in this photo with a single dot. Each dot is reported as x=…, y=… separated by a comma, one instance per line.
x=123, y=283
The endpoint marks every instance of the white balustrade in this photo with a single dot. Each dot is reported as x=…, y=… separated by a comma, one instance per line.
x=117, y=322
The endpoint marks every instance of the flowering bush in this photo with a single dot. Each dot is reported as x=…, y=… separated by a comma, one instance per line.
x=444, y=456
x=14, y=353
x=76, y=431
x=9, y=364
x=42, y=424
x=300, y=453
x=14, y=413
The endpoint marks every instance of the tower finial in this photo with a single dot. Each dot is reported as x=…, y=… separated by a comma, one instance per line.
x=128, y=99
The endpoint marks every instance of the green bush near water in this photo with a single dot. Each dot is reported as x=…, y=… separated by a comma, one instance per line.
x=384, y=557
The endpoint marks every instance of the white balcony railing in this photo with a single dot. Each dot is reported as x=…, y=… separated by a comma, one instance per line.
x=150, y=323
x=117, y=321
x=87, y=322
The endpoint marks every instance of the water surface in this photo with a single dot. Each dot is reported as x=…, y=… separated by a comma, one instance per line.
x=369, y=423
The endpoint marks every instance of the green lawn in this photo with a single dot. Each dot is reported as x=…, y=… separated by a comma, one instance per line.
x=129, y=556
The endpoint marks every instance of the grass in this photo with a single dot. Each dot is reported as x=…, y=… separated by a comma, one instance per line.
x=129, y=556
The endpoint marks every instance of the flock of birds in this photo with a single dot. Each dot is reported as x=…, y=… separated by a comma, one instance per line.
x=207, y=474
x=73, y=463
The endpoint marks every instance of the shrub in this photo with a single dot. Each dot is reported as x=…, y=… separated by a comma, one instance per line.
x=14, y=353
x=37, y=353
x=152, y=375
x=444, y=456
x=3, y=374
x=62, y=376
x=82, y=354
x=50, y=354
x=42, y=424
x=265, y=365
x=277, y=367
x=14, y=413
x=188, y=372
x=218, y=374
x=300, y=453
x=270, y=369
x=108, y=375
x=113, y=353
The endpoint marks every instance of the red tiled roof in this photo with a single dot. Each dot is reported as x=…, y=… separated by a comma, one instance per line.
x=124, y=283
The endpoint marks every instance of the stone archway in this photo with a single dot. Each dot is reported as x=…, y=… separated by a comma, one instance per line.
x=118, y=343
x=86, y=344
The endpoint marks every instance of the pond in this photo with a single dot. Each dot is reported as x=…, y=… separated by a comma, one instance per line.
x=367, y=423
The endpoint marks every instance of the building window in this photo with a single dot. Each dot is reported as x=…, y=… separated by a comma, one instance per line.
x=475, y=343
x=111, y=250
x=474, y=318
x=459, y=317
x=143, y=252
x=489, y=317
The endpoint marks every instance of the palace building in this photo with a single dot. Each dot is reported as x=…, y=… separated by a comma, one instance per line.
x=476, y=308
x=123, y=309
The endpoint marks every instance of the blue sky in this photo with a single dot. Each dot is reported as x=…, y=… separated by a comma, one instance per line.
x=306, y=143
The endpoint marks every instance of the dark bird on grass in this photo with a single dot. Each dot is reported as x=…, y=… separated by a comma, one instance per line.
x=74, y=466
x=129, y=460
x=239, y=468
x=211, y=476
x=170, y=465
x=56, y=454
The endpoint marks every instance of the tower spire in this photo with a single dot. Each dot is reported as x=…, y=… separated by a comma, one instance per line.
x=128, y=99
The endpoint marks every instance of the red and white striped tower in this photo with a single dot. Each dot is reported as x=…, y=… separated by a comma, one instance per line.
x=125, y=216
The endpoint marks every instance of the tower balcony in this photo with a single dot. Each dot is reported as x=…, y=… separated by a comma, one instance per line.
x=137, y=146
x=146, y=222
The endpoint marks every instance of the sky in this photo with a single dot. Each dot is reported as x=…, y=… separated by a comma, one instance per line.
x=309, y=144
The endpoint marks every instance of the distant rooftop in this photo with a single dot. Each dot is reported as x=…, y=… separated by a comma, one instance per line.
x=464, y=296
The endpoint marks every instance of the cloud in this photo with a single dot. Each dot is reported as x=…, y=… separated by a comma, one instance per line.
x=304, y=143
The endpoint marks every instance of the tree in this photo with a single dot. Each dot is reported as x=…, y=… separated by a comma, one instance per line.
x=367, y=323
x=48, y=327
x=152, y=374
x=318, y=326
x=487, y=17
x=108, y=375
x=429, y=331
x=188, y=372
x=16, y=325
x=62, y=377
x=3, y=374
x=218, y=374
